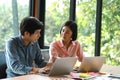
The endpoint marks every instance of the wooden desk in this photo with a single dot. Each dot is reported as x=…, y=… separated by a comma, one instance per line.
x=105, y=68
x=36, y=77
x=110, y=69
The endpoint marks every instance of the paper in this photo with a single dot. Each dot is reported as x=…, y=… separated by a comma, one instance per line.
x=83, y=75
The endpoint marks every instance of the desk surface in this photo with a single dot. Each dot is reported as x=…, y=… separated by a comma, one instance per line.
x=110, y=69
x=35, y=77
x=105, y=68
x=27, y=77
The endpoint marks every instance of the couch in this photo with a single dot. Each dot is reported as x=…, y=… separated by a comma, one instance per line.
x=3, y=65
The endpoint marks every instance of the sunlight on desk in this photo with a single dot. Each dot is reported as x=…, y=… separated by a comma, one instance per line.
x=105, y=69
x=110, y=69
x=37, y=77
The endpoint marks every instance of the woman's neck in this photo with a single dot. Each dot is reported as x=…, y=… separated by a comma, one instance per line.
x=66, y=43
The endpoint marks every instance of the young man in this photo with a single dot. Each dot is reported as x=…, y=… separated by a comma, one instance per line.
x=22, y=51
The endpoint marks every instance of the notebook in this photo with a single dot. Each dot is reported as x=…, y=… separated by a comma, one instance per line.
x=62, y=66
x=91, y=64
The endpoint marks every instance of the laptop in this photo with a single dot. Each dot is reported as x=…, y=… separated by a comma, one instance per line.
x=91, y=64
x=62, y=66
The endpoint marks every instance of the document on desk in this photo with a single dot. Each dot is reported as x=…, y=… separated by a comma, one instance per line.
x=83, y=76
x=114, y=75
x=94, y=76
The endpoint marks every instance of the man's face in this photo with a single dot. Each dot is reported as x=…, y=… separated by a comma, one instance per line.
x=35, y=36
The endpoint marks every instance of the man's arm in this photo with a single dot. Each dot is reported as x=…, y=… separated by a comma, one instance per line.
x=13, y=59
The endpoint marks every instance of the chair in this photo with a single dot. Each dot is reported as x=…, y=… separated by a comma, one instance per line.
x=3, y=66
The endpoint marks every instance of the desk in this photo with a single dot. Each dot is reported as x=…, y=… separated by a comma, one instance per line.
x=36, y=77
x=110, y=69
x=105, y=68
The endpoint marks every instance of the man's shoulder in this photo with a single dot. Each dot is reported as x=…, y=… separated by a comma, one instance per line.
x=13, y=39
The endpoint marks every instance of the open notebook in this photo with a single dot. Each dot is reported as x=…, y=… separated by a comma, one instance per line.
x=62, y=66
x=91, y=64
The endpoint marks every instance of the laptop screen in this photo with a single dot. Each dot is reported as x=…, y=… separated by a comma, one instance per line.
x=63, y=66
x=91, y=64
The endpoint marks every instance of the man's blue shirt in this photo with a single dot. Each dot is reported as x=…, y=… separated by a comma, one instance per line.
x=20, y=58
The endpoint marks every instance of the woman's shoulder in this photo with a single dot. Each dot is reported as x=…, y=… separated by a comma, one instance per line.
x=55, y=43
x=76, y=42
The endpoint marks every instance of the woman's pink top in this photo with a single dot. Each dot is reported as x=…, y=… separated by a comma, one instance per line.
x=57, y=49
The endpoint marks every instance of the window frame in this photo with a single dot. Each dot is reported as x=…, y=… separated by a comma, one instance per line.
x=37, y=9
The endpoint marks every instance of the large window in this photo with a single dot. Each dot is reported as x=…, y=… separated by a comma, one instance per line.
x=57, y=12
x=11, y=11
x=110, y=41
x=86, y=20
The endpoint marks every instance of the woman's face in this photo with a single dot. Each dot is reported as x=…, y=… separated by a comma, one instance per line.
x=66, y=34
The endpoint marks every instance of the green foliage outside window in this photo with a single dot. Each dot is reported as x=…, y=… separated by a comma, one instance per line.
x=7, y=27
x=58, y=12
x=86, y=20
x=110, y=46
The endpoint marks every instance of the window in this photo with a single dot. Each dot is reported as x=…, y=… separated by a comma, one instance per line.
x=11, y=11
x=57, y=12
x=110, y=40
x=86, y=20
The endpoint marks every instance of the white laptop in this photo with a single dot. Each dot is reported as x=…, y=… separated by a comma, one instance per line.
x=91, y=64
x=62, y=66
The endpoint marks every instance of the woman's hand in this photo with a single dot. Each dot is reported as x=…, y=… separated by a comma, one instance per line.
x=76, y=68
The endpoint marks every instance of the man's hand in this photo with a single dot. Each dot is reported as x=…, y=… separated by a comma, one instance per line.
x=34, y=70
x=45, y=69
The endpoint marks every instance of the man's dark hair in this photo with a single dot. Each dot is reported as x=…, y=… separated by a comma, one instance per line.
x=30, y=24
x=73, y=27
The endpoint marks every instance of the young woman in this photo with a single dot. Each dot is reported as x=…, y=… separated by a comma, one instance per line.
x=67, y=46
